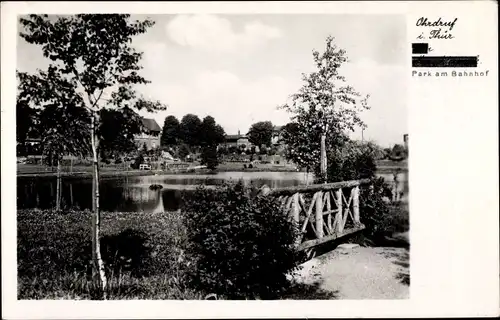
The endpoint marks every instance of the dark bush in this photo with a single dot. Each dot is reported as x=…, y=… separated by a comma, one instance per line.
x=209, y=157
x=244, y=166
x=379, y=215
x=126, y=252
x=241, y=246
x=137, y=162
x=250, y=166
x=118, y=161
x=376, y=210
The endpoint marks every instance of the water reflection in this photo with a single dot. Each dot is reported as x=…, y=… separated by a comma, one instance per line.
x=133, y=193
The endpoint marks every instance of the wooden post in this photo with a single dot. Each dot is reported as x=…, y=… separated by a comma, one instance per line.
x=338, y=199
x=319, y=214
x=295, y=208
x=355, y=204
x=329, y=209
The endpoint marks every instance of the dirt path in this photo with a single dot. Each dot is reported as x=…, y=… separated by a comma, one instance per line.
x=359, y=273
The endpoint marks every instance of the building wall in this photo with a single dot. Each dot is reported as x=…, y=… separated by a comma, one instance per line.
x=243, y=141
x=237, y=143
x=150, y=140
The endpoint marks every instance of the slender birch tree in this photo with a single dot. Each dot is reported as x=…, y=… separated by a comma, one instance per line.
x=94, y=65
x=324, y=109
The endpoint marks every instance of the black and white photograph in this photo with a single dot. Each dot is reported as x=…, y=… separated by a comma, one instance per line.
x=157, y=161
x=237, y=159
x=212, y=157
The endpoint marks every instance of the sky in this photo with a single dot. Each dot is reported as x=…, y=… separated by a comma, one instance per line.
x=239, y=68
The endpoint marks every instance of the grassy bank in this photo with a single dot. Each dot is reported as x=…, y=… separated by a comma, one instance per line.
x=143, y=253
x=141, y=250
x=88, y=174
x=86, y=171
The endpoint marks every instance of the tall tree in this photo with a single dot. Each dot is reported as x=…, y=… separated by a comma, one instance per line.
x=95, y=67
x=398, y=153
x=170, y=131
x=261, y=133
x=117, y=130
x=210, y=132
x=61, y=125
x=325, y=107
x=209, y=157
x=190, y=130
x=25, y=119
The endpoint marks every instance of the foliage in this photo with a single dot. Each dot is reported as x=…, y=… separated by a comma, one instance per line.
x=210, y=132
x=241, y=246
x=263, y=150
x=56, y=116
x=170, y=134
x=137, y=162
x=398, y=153
x=143, y=252
x=324, y=105
x=190, y=130
x=183, y=151
x=350, y=162
x=93, y=64
x=261, y=133
x=381, y=217
x=94, y=67
x=209, y=157
x=26, y=119
x=117, y=130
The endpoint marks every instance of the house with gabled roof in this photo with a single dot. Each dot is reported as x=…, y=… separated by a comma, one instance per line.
x=237, y=140
x=150, y=136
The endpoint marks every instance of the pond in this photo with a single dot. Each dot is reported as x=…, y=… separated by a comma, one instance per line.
x=132, y=194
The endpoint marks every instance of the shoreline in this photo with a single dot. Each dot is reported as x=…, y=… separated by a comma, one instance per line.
x=136, y=173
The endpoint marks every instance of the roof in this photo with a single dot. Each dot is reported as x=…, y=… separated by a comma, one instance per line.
x=235, y=137
x=277, y=128
x=150, y=124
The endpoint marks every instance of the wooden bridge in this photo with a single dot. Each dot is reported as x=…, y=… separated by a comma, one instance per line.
x=322, y=212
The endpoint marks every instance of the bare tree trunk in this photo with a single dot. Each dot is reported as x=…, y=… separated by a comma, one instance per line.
x=307, y=176
x=71, y=194
x=51, y=194
x=98, y=264
x=323, y=160
x=58, y=186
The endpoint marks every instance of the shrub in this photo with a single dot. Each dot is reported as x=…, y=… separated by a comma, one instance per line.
x=250, y=166
x=375, y=208
x=242, y=247
x=209, y=157
x=137, y=162
x=380, y=217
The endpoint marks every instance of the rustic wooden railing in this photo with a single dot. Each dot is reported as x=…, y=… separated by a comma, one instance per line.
x=322, y=212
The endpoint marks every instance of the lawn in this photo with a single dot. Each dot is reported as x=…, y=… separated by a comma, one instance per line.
x=141, y=250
